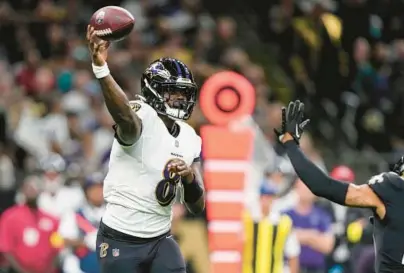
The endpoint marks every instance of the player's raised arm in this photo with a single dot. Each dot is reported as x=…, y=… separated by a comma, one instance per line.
x=128, y=124
x=314, y=178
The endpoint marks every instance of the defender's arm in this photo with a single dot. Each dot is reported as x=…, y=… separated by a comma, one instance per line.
x=194, y=191
x=322, y=185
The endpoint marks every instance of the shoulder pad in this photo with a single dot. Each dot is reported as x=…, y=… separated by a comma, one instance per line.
x=388, y=178
x=143, y=110
x=392, y=175
x=379, y=178
x=396, y=180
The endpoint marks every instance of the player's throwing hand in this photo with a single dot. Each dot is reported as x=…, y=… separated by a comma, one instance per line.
x=179, y=167
x=293, y=122
x=98, y=47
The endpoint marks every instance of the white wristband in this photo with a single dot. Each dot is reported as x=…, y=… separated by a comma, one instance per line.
x=100, y=71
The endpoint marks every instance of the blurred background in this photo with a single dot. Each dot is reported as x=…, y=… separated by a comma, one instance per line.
x=343, y=58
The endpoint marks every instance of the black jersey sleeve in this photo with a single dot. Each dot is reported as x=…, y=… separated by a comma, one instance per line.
x=387, y=186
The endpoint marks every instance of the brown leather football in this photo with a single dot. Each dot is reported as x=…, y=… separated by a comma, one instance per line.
x=112, y=23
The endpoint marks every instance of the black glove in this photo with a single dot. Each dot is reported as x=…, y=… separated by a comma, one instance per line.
x=293, y=121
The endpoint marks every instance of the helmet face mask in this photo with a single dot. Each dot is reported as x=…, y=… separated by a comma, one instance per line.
x=168, y=86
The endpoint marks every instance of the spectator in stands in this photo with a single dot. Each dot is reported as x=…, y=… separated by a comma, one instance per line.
x=26, y=72
x=359, y=234
x=102, y=135
x=25, y=233
x=274, y=119
x=55, y=124
x=284, y=178
x=57, y=197
x=365, y=261
x=313, y=230
x=77, y=99
x=7, y=180
x=372, y=86
x=268, y=227
x=226, y=33
x=396, y=83
x=79, y=228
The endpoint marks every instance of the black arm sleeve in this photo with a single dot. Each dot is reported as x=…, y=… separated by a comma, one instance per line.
x=315, y=179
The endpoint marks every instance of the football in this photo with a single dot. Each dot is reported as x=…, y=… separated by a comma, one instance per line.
x=112, y=23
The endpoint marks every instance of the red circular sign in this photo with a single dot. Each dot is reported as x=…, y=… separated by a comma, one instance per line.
x=226, y=96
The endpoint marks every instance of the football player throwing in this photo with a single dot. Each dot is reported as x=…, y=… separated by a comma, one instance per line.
x=154, y=153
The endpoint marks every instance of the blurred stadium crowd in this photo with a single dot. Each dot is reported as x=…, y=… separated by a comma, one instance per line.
x=343, y=58
x=346, y=58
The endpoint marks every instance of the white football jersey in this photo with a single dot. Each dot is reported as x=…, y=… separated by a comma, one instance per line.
x=135, y=172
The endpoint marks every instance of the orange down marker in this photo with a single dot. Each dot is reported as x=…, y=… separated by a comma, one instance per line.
x=226, y=97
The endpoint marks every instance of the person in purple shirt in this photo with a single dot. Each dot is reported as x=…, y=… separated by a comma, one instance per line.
x=313, y=230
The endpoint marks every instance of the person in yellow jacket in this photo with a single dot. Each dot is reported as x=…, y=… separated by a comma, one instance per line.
x=270, y=244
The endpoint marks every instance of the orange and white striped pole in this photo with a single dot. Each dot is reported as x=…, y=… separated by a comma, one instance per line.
x=226, y=97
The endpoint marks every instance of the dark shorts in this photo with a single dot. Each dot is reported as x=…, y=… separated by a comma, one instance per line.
x=122, y=253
